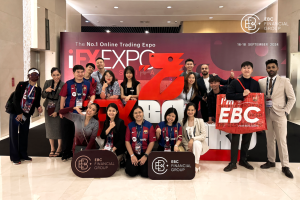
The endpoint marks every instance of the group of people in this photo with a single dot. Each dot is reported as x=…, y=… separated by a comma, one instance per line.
x=75, y=130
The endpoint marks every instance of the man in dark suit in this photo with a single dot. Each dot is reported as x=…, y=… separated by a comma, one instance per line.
x=204, y=88
x=189, y=65
x=235, y=91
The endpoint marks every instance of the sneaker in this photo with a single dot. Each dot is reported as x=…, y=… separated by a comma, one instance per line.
x=26, y=159
x=16, y=162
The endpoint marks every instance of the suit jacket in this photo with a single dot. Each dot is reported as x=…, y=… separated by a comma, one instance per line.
x=200, y=134
x=235, y=90
x=202, y=87
x=118, y=134
x=282, y=91
x=19, y=92
x=212, y=100
x=48, y=96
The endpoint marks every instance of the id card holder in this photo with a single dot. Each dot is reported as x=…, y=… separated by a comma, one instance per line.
x=167, y=148
x=27, y=107
x=79, y=103
x=108, y=146
x=138, y=148
x=269, y=103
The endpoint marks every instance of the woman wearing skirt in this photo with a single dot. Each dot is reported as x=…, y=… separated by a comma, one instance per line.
x=52, y=105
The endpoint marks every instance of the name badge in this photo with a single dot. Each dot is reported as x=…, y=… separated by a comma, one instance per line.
x=269, y=103
x=79, y=103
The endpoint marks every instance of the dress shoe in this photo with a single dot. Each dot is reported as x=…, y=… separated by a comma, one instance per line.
x=267, y=165
x=230, y=167
x=287, y=172
x=244, y=163
x=26, y=159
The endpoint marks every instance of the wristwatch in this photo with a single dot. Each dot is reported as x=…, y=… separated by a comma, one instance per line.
x=146, y=155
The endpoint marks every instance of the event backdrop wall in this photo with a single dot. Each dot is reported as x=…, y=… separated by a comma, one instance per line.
x=222, y=51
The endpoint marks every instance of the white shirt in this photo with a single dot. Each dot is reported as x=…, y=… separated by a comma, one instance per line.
x=207, y=84
x=186, y=97
x=190, y=131
x=273, y=79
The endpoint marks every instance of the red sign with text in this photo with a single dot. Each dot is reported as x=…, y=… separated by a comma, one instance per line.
x=238, y=117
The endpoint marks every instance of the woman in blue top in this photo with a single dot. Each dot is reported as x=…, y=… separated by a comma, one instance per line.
x=169, y=132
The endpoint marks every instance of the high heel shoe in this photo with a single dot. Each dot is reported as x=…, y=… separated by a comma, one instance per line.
x=197, y=169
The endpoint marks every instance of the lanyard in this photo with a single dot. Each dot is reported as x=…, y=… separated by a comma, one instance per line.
x=99, y=76
x=271, y=87
x=193, y=133
x=55, y=88
x=170, y=135
x=191, y=94
x=81, y=90
x=138, y=132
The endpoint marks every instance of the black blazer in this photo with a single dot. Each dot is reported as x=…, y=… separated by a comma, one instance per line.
x=212, y=100
x=235, y=90
x=19, y=92
x=119, y=135
x=202, y=88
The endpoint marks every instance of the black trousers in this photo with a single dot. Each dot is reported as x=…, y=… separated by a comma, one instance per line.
x=161, y=148
x=204, y=111
x=132, y=170
x=18, y=142
x=67, y=136
x=246, y=139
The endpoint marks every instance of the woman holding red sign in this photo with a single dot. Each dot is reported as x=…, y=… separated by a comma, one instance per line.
x=169, y=132
x=193, y=134
x=237, y=90
x=139, y=141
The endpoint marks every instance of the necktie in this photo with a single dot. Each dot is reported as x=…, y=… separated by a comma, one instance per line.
x=270, y=83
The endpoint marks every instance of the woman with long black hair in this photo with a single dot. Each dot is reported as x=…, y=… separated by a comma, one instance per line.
x=193, y=134
x=86, y=126
x=113, y=132
x=26, y=98
x=130, y=87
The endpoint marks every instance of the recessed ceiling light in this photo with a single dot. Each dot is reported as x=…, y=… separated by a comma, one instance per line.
x=175, y=21
x=210, y=17
x=107, y=31
x=87, y=21
x=169, y=7
x=169, y=21
x=146, y=31
x=116, y=7
x=121, y=21
x=221, y=6
x=38, y=7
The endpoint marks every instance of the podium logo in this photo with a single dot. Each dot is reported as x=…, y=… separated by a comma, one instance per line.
x=83, y=164
x=159, y=165
x=250, y=23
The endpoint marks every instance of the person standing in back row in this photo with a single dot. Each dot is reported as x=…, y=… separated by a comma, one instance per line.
x=97, y=75
x=204, y=88
x=277, y=89
x=236, y=91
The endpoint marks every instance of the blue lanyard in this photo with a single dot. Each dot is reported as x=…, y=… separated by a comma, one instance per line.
x=138, y=133
x=81, y=90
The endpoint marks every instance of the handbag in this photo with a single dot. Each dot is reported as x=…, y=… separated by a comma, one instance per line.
x=9, y=106
x=81, y=148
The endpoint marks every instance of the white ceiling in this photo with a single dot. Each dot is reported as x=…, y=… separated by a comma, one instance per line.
x=103, y=13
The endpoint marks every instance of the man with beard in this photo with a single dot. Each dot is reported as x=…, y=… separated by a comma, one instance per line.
x=277, y=89
x=204, y=88
x=97, y=75
x=189, y=65
x=89, y=68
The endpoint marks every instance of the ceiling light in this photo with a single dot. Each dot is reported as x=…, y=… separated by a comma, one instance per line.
x=121, y=21
x=210, y=17
x=146, y=31
x=221, y=6
x=38, y=7
x=169, y=21
x=107, y=31
x=87, y=21
x=175, y=21
x=116, y=7
x=169, y=7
